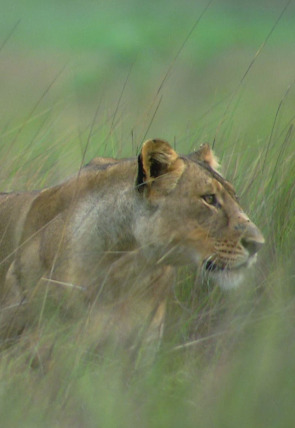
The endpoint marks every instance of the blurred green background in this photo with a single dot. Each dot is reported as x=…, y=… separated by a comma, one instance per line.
x=89, y=78
x=136, y=64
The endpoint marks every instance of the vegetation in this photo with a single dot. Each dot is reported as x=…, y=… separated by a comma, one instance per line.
x=81, y=79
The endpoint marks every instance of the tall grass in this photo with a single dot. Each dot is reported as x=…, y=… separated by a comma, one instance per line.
x=227, y=359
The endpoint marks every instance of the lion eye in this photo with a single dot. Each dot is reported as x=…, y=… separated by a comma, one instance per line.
x=210, y=199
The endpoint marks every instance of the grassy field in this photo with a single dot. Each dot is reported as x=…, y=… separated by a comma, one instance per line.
x=84, y=79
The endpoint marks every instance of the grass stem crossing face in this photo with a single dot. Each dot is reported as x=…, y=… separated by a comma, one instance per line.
x=117, y=230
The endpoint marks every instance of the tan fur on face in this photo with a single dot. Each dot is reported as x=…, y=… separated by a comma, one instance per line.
x=106, y=242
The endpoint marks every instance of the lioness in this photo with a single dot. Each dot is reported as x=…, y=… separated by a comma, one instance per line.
x=107, y=240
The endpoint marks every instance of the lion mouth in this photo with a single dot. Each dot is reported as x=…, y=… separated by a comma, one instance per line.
x=227, y=277
x=210, y=266
x=213, y=267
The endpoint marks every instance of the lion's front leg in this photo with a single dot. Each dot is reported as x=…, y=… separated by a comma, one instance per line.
x=129, y=305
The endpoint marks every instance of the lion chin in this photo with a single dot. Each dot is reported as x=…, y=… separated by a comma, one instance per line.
x=228, y=280
x=225, y=278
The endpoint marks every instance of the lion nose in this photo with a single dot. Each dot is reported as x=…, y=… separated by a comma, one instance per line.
x=252, y=240
x=252, y=244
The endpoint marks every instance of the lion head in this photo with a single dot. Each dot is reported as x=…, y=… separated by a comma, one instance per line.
x=194, y=214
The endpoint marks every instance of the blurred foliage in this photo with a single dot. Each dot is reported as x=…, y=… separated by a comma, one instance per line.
x=140, y=60
x=85, y=78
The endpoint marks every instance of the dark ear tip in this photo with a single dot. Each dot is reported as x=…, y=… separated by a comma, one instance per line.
x=205, y=146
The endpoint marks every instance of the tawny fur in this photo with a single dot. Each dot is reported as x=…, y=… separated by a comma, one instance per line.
x=106, y=242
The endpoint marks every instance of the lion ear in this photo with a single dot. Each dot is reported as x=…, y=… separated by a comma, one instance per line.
x=159, y=167
x=206, y=155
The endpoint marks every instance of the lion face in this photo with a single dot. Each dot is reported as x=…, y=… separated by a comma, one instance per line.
x=197, y=216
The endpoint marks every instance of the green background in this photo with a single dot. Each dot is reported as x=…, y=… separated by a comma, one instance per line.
x=127, y=60
x=80, y=79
